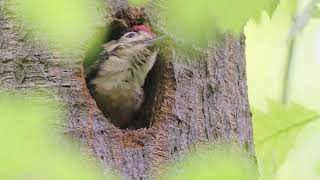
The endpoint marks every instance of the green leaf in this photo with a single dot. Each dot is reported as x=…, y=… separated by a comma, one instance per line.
x=275, y=133
x=317, y=168
x=272, y=7
x=291, y=7
x=63, y=24
x=203, y=19
x=28, y=146
x=220, y=162
x=302, y=162
x=315, y=12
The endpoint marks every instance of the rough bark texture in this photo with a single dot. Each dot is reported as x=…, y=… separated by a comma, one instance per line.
x=187, y=102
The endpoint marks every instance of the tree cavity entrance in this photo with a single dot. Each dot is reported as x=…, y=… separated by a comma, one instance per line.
x=121, y=21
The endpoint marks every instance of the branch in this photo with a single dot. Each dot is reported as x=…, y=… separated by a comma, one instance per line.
x=300, y=23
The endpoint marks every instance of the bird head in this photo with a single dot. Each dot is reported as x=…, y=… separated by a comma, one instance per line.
x=137, y=36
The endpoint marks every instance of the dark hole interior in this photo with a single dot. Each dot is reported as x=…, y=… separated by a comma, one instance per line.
x=115, y=31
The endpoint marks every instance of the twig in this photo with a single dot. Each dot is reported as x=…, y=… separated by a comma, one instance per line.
x=287, y=71
x=300, y=23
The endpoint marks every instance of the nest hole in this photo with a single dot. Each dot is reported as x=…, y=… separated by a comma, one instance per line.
x=121, y=20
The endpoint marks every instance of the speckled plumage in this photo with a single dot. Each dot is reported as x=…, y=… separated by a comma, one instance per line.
x=122, y=69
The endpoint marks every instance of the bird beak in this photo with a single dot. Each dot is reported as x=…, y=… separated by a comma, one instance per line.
x=154, y=40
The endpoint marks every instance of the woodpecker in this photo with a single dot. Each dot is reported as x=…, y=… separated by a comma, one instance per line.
x=116, y=79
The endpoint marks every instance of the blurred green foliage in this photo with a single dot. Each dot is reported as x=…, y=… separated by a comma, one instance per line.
x=197, y=19
x=302, y=161
x=29, y=148
x=284, y=134
x=212, y=162
x=275, y=132
x=61, y=23
x=202, y=20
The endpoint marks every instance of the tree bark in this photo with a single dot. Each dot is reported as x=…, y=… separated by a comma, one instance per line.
x=188, y=103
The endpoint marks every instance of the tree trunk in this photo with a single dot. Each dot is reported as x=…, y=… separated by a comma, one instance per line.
x=202, y=101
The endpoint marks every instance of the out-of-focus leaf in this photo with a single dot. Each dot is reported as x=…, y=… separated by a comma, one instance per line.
x=302, y=161
x=63, y=24
x=29, y=149
x=292, y=6
x=279, y=118
x=275, y=133
x=204, y=19
x=212, y=163
x=316, y=12
x=272, y=7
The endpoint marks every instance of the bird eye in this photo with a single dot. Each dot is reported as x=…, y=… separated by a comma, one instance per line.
x=130, y=35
